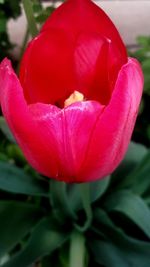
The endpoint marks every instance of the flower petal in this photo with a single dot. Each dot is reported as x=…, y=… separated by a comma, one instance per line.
x=114, y=128
x=83, y=15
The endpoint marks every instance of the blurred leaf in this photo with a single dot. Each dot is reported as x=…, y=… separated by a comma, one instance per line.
x=37, y=7
x=44, y=240
x=15, y=180
x=14, y=152
x=117, y=249
x=131, y=206
x=144, y=41
x=4, y=259
x=44, y=14
x=11, y=8
x=3, y=157
x=4, y=128
x=16, y=220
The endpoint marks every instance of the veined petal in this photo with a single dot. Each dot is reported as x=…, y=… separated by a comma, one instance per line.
x=69, y=131
x=114, y=128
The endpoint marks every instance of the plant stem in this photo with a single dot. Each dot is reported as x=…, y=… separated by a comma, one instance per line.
x=30, y=17
x=86, y=202
x=77, y=250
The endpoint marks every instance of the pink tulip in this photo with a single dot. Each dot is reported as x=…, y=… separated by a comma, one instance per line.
x=74, y=109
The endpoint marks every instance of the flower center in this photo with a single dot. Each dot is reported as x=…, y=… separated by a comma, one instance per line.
x=74, y=97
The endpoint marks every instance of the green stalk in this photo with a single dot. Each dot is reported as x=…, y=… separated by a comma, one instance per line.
x=60, y=201
x=24, y=43
x=30, y=17
x=77, y=250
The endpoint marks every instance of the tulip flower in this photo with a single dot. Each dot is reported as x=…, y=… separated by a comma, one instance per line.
x=74, y=107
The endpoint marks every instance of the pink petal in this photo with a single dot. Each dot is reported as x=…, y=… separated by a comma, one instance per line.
x=114, y=128
x=69, y=131
x=22, y=125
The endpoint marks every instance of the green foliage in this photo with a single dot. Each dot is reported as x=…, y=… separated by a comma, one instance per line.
x=16, y=220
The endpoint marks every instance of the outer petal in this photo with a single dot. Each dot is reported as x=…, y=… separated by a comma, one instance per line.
x=54, y=141
x=23, y=127
x=76, y=16
x=113, y=131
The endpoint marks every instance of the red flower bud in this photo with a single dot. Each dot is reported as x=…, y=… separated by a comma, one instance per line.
x=74, y=111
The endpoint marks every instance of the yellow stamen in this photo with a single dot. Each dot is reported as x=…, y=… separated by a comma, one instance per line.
x=74, y=97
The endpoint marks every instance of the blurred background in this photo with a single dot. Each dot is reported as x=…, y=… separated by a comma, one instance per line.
x=22, y=189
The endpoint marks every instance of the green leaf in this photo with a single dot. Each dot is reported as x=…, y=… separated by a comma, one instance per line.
x=44, y=240
x=116, y=249
x=15, y=180
x=139, y=179
x=16, y=220
x=135, y=154
x=131, y=206
x=97, y=189
x=4, y=128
